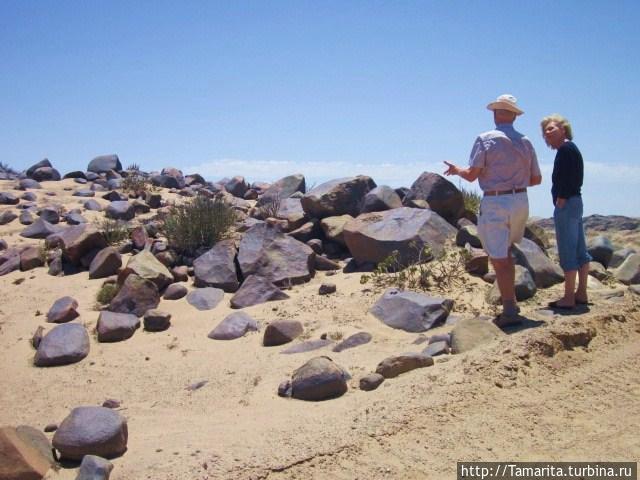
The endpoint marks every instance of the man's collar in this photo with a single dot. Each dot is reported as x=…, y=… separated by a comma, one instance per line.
x=504, y=125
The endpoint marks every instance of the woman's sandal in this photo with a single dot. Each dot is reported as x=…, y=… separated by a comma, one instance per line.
x=557, y=306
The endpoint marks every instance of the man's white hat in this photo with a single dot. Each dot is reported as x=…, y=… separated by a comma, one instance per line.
x=505, y=102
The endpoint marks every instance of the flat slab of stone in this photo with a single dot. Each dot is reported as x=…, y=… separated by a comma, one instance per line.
x=234, y=326
x=337, y=197
x=91, y=431
x=355, y=340
x=255, y=290
x=470, y=333
x=205, y=298
x=21, y=459
x=64, y=344
x=411, y=311
x=307, y=346
x=396, y=365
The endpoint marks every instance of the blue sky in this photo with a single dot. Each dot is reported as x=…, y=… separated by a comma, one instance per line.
x=329, y=89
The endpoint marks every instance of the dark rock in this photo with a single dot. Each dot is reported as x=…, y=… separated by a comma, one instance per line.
x=154, y=200
x=139, y=237
x=237, y=186
x=327, y=288
x=75, y=219
x=470, y=333
x=371, y=382
x=180, y=273
x=94, y=468
x=104, y=163
x=28, y=183
x=468, y=234
x=379, y=199
x=120, y=211
x=175, y=291
x=136, y=296
x=29, y=197
x=107, y=262
x=442, y=195
x=538, y=235
x=46, y=174
x=234, y=326
x=318, y=379
x=92, y=205
x=26, y=218
x=37, y=337
x=205, y=298
x=194, y=179
x=372, y=237
x=64, y=344
x=524, y=285
x=629, y=272
x=396, y=365
x=76, y=241
x=156, y=321
x=30, y=258
x=324, y=264
x=477, y=261
x=436, y=348
x=170, y=178
x=355, y=340
x=114, y=196
x=9, y=261
x=411, y=311
x=50, y=427
x=216, y=268
x=39, y=229
x=7, y=198
x=84, y=193
x=111, y=403
x=619, y=256
x=21, y=460
x=545, y=273
x=91, y=431
x=255, y=290
x=76, y=174
x=601, y=250
x=284, y=389
x=283, y=188
x=42, y=163
x=267, y=252
x=307, y=346
x=291, y=211
x=116, y=327
x=280, y=332
x=337, y=197
x=7, y=217
x=63, y=310
x=333, y=228
x=307, y=231
x=3, y=244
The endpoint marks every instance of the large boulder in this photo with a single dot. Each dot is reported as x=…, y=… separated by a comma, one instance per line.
x=291, y=211
x=120, y=210
x=64, y=344
x=283, y=188
x=411, y=311
x=255, y=290
x=372, y=237
x=524, y=285
x=147, y=266
x=91, y=431
x=442, y=196
x=379, y=199
x=42, y=163
x=217, y=268
x=169, y=178
x=337, y=197
x=136, y=295
x=76, y=241
x=22, y=458
x=544, y=272
x=104, y=163
x=319, y=379
x=43, y=174
x=237, y=186
x=333, y=228
x=107, y=262
x=267, y=252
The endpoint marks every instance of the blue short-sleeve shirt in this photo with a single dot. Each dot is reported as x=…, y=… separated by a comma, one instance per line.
x=507, y=159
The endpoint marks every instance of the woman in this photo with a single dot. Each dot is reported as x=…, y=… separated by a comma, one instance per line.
x=567, y=215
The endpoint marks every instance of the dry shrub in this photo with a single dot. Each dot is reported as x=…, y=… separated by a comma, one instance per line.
x=114, y=231
x=199, y=222
x=106, y=293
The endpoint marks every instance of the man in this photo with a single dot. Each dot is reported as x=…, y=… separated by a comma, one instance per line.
x=505, y=164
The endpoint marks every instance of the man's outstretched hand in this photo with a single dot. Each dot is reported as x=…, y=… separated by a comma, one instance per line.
x=452, y=170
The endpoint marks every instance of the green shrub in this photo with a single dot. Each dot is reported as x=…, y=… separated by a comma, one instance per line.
x=471, y=199
x=114, y=231
x=441, y=273
x=199, y=222
x=106, y=293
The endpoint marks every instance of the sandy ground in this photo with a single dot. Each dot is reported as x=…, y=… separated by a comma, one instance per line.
x=564, y=387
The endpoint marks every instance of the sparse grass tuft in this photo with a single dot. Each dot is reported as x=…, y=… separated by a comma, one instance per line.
x=270, y=208
x=199, y=222
x=471, y=199
x=114, y=231
x=424, y=273
x=106, y=293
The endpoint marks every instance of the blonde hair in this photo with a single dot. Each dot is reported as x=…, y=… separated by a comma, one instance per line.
x=561, y=121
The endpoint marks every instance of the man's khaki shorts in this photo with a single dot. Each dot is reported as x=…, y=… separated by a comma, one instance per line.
x=501, y=222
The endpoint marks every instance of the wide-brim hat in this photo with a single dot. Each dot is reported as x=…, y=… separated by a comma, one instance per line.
x=505, y=102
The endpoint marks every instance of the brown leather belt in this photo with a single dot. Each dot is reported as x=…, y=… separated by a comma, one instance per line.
x=494, y=193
